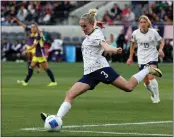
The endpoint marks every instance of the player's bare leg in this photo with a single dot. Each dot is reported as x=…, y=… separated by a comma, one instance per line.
x=37, y=68
x=129, y=85
x=77, y=89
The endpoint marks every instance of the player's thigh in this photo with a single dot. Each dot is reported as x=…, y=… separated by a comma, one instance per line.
x=44, y=65
x=77, y=89
x=33, y=64
x=42, y=61
x=122, y=83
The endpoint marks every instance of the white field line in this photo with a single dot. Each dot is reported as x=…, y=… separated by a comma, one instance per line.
x=117, y=133
x=118, y=124
x=99, y=125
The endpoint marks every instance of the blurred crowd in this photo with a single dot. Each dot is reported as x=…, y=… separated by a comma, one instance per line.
x=158, y=11
x=55, y=49
x=57, y=12
x=13, y=51
x=51, y=12
x=42, y=12
x=124, y=43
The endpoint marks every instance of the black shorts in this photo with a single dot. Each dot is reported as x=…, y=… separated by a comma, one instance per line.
x=141, y=66
x=106, y=75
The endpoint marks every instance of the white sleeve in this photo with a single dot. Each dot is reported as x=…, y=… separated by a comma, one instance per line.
x=157, y=36
x=133, y=37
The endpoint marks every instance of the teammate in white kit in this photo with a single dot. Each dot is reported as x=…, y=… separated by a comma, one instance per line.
x=96, y=67
x=147, y=39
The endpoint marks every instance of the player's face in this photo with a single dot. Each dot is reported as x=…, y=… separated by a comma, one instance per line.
x=86, y=26
x=144, y=24
x=34, y=28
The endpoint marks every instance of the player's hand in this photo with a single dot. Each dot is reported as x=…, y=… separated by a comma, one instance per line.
x=161, y=53
x=129, y=61
x=119, y=50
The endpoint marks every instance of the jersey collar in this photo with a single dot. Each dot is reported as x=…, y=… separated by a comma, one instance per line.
x=144, y=32
x=91, y=32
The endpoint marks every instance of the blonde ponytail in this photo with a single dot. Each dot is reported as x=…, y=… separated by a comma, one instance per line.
x=90, y=16
x=93, y=12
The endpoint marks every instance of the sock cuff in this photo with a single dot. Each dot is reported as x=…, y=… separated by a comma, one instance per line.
x=67, y=104
x=135, y=76
x=153, y=82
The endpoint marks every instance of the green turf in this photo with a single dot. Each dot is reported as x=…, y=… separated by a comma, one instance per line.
x=21, y=106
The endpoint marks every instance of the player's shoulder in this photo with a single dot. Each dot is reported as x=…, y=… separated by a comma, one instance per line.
x=136, y=31
x=152, y=30
x=97, y=33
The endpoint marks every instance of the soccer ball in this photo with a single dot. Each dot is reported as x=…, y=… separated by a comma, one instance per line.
x=53, y=123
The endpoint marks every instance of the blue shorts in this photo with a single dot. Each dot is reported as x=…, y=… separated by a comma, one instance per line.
x=106, y=75
x=141, y=66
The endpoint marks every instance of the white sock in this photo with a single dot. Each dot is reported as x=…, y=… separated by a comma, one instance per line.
x=141, y=75
x=64, y=108
x=155, y=88
x=149, y=87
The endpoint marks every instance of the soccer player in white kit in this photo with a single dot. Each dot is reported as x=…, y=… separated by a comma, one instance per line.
x=146, y=39
x=96, y=67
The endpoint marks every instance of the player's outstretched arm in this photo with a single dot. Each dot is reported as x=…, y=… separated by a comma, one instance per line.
x=161, y=46
x=110, y=49
x=19, y=22
x=130, y=59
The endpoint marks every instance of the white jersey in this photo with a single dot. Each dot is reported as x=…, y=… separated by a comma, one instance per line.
x=147, y=43
x=92, y=52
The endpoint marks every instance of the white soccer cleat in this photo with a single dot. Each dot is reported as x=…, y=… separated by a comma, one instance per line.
x=155, y=99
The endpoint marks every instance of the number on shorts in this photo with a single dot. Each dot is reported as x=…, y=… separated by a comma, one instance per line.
x=105, y=74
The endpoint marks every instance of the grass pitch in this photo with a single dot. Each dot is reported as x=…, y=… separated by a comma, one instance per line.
x=21, y=106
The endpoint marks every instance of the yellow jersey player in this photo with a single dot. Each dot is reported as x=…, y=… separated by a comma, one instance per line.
x=39, y=56
x=29, y=42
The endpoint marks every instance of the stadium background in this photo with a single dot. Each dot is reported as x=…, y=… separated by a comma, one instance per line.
x=126, y=114
x=59, y=20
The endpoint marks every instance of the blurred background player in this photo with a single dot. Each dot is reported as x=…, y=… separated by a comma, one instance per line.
x=146, y=39
x=29, y=42
x=96, y=67
x=39, y=56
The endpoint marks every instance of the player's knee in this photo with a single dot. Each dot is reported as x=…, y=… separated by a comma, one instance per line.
x=129, y=89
